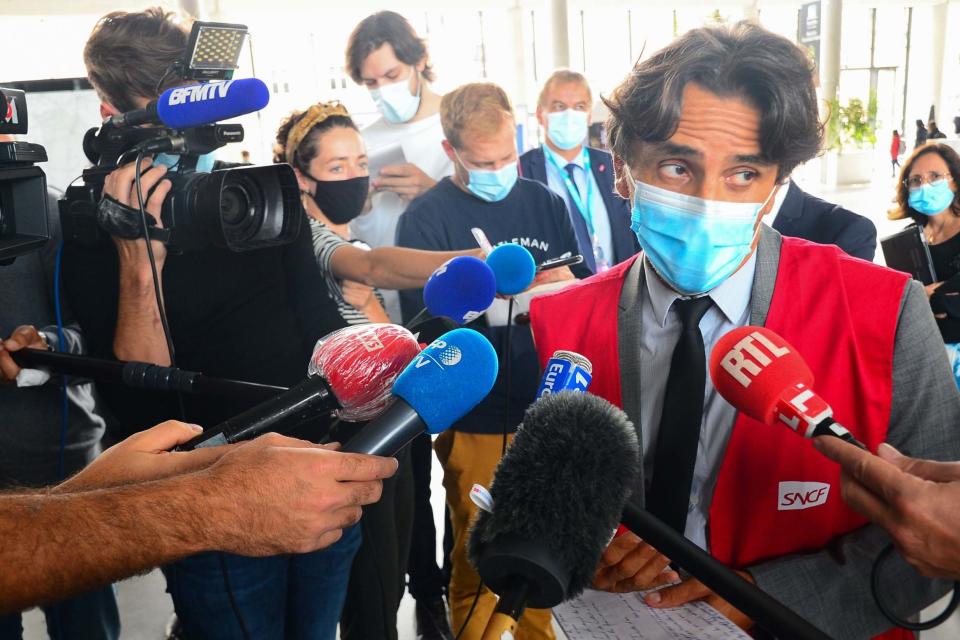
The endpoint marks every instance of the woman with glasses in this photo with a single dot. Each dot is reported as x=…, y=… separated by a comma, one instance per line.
x=927, y=193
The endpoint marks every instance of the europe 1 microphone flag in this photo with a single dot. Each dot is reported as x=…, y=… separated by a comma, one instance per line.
x=441, y=385
x=764, y=376
x=351, y=373
x=565, y=371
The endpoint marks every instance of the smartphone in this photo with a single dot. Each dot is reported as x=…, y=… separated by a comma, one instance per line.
x=555, y=263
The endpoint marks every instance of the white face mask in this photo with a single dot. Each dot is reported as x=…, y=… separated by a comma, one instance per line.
x=395, y=102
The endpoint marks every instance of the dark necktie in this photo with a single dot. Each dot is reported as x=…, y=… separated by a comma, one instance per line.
x=676, y=451
x=569, y=168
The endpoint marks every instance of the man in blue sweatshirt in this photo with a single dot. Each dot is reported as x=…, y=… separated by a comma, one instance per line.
x=485, y=192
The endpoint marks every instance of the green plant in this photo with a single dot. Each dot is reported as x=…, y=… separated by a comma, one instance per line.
x=853, y=125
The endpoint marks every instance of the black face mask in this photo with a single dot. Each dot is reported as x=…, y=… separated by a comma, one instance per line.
x=342, y=200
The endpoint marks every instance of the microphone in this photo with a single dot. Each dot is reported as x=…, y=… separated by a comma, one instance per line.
x=565, y=371
x=514, y=268
x=557, y=497
x=764, y=376
x=461, y=289
x=430, y=329
x=350, y=374
x=199, y=104
x=441, y=385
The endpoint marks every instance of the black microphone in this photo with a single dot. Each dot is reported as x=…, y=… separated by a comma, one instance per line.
x=557, y=498
x=351, y=373
x=440, y=386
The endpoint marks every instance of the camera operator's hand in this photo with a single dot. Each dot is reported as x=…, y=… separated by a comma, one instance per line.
x=406, y=180
x=281, y=495
x=23, y=337
x=145, y=456
x=121, y=185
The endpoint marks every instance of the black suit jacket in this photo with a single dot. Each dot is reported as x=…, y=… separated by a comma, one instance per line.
x=805, y=216
x=533, y=167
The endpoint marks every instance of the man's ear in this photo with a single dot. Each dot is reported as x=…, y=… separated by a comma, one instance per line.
x=621, y=181
x=107, y=110
x=448, y=149
x=541, y=117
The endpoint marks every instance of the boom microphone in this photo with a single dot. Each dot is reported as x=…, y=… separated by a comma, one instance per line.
x=199, y=104
x=513, y=267
x=351, y=372
x=556, y=502
x=440, y=386
x=762, y=375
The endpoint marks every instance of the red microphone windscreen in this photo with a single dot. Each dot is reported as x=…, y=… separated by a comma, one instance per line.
x=751, y=367
x=361, y=363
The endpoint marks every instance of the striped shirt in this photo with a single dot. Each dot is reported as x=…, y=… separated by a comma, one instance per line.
x=325, y=243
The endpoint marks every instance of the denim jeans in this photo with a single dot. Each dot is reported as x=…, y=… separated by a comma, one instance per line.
x=92, y=616
x=290, y=597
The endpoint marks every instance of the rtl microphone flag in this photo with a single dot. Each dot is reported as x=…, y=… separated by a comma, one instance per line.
x=763, y=375
x=461, y=289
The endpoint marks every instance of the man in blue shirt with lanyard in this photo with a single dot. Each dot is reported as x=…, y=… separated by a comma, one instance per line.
x=581, y=175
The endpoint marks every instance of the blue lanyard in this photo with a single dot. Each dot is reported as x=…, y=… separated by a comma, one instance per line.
x=584, y=207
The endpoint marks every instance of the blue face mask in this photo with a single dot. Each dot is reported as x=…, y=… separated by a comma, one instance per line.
x=395, y=102
x=172, y=160
x=492, y=186
x=931, y=199
x=567, y=129
x=694, y=244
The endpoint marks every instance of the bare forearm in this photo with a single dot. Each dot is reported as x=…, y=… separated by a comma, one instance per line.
x=139, y=334
x=398, y=268
x=53, y=546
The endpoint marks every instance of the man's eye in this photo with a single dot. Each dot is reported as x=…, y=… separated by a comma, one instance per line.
x=673, y=171
x=743, y=178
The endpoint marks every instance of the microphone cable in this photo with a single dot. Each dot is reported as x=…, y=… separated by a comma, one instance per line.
x=890, y=615
x=161, y=309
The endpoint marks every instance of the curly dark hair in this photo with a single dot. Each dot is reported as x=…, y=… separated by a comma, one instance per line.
x=308, y=149
x=745, y=60
x=903, y=209
x=386, y=27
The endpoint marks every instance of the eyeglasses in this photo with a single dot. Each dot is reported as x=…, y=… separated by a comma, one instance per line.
x=915, y=182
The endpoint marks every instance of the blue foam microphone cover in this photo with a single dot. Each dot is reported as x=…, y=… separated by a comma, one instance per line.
x=195, y=105
x=449, y=378
x=461, y=289
x=514, y=268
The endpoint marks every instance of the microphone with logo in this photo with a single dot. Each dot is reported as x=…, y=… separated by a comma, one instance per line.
x=200, y=104
x=556, y=498
x=350, y=375
x=441, y=385
x=762, y=375
x=461, y=289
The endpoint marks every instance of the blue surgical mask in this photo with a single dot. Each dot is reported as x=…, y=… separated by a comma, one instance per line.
x=694, y=244
x=492, y=186
x=395, y=102
x=172, y=161
x=567, y=129
x=931, y=199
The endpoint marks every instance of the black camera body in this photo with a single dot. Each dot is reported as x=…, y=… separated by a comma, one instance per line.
x=238, y=208
x=23, y=185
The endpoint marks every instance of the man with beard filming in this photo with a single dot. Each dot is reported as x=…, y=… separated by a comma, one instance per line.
x=252, y=315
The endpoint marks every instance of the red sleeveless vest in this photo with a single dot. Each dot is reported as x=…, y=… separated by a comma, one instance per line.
x=775, y=494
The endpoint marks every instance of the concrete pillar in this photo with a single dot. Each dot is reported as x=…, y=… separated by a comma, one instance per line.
x=938, y=42
x=832, y=17
x=559, y=29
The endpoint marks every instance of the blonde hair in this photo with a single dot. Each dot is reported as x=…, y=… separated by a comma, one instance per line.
x=479, y=107
x=564, y=76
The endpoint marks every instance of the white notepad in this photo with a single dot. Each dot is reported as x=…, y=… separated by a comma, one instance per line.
x=598, y=615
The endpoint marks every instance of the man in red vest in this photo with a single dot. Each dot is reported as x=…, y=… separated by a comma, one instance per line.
x=703, y=133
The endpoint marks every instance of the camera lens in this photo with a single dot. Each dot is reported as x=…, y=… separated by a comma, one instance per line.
x=241, y=209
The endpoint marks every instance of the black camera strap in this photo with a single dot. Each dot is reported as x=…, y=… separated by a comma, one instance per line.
x=122, y=221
